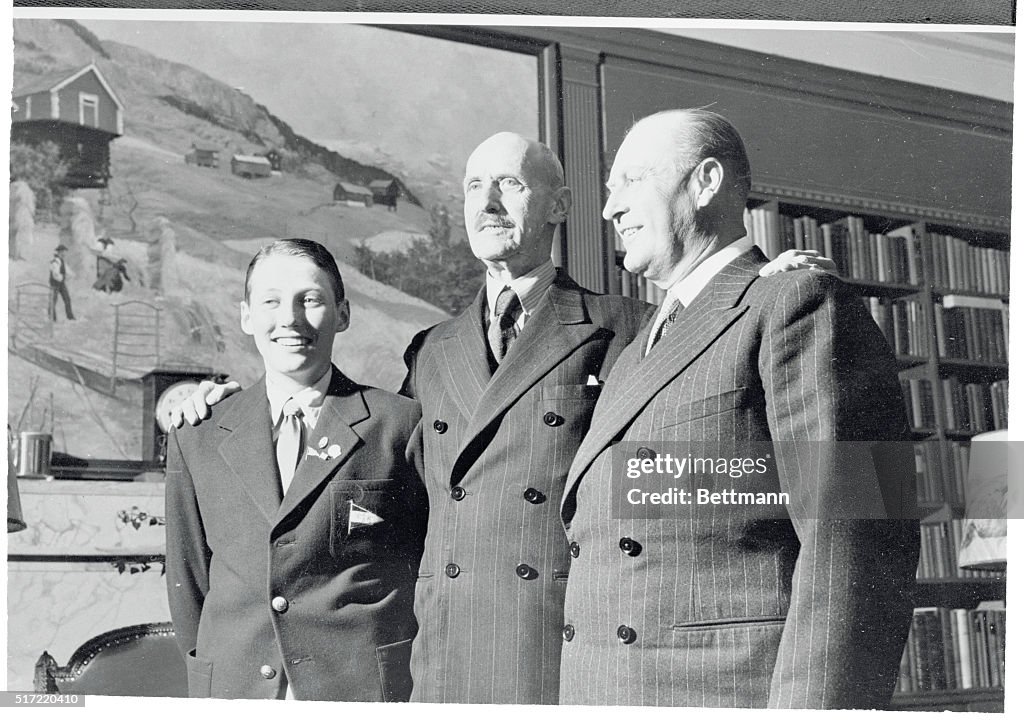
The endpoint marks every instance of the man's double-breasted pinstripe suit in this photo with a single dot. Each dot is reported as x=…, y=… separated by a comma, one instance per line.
x=496, y=453
x=733, y=605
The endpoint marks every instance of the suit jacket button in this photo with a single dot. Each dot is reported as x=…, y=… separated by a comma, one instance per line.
x=525, y=571
x=574, y=549
x=268, y=672
x=452, y=570
x=552, y=419
x=279, y=604
x=458, y=493
x=440, y=427
x=568, y=632
x=626, y=634
x=630, y=546
x=645, y=453
x=534, y=496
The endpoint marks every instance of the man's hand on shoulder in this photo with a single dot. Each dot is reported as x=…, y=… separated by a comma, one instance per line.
x=798, y=260
x=196, y=408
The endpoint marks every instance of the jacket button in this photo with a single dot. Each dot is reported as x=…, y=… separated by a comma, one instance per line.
x=440, y=427
x=268, y=672
x=645, y=453
x=626, y=634
x=568, y=632
x=452, y=570
x=630, y=546
x=553, y=420
x=458, y=493
x=534, y=496
x=574, y=549
x=525, y=571
x=279, y=604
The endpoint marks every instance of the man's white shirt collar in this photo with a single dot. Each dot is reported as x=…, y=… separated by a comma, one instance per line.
x=530, y=287
x=686, y=289
x=310, y=398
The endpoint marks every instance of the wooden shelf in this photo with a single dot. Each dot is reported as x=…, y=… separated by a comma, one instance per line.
x=905, y=362
x=958, y=592
x=887, y=289
x=973, y=700
x=970, y=293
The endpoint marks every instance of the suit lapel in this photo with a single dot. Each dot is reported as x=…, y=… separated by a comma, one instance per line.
x=464, y=357
x=559, y=326
x=636, y=380
x=250, y=447
x=343, y=407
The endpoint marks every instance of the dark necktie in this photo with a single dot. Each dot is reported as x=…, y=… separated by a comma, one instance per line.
x=666, y=324
x=502, y=330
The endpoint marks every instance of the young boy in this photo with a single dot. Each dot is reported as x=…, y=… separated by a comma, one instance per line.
x=295, y=515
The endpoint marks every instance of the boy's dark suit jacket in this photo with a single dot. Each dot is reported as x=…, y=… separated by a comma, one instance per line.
x=745, y=605
x=262, y=589
x=496, y=453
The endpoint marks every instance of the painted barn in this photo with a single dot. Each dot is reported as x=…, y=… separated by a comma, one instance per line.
x=203, y=155
x=385, y=192
x=250, y=166
x=354, y=195
x=77, y=110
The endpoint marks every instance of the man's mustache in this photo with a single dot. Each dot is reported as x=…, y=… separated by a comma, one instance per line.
x=483, y=221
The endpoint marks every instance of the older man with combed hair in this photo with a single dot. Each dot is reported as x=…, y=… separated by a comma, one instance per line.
x=751, y=605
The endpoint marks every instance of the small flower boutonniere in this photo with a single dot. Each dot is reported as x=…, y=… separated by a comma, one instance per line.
x=324, y=451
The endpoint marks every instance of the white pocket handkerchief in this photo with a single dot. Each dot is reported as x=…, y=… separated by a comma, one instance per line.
x=592, y=380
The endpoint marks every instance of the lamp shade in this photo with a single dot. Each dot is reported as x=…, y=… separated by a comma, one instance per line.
x=984, y=537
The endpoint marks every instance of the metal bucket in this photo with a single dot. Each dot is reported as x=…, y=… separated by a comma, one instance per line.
x=34, y=454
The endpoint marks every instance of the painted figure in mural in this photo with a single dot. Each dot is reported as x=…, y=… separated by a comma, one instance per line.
x=58, y=284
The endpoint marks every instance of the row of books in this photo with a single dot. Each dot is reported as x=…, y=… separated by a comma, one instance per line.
x=940, y=547
x=968, y=407
x=919, y=401
x=969, y=328
x=954, y=649
x=858, y=254
x=955, y=264
x=941, y=471
x=636, y=286
x=900, y=256
x=975, y=407
x=903, y=323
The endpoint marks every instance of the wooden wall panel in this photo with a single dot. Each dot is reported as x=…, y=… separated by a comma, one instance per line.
x=825, y=149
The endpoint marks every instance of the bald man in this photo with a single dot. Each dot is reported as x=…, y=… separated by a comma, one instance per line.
x=507, y=389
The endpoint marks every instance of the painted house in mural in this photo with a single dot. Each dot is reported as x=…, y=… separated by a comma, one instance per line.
x=354, y=195
x=77, y=110
x=385, y=192
x=250, y=166
x=274, y=156
x=203, y=155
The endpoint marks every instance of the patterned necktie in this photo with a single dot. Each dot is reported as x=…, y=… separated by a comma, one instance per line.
x=667, y=321
x=502, y=330
x=289, y=441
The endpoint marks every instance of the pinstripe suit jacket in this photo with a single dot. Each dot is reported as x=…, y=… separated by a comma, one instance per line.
x=742, y=605
x=496, y=452
x=233, y=545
